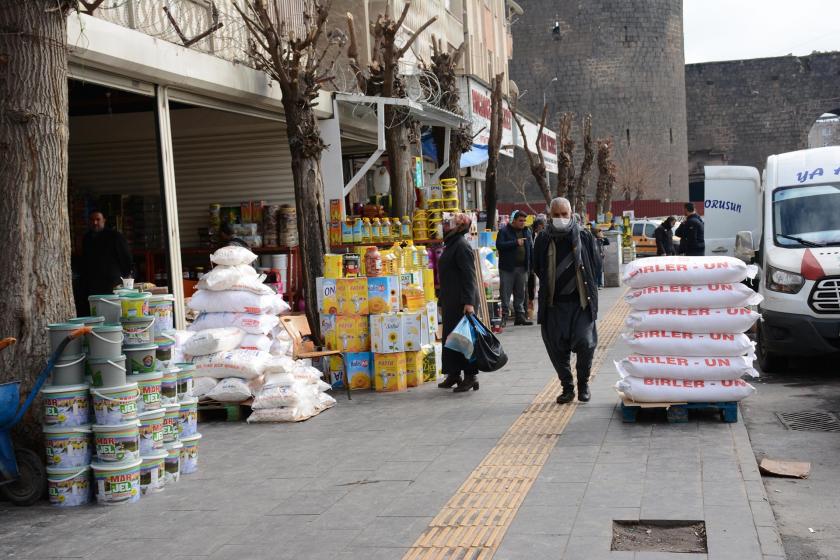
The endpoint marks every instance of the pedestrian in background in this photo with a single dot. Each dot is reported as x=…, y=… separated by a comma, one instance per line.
x=601, y=242
x=458, y=297
x=515, y=246
x=664, y=235
x=690, y=232
x=537, y=228
x=564, y=259
x=106, y=258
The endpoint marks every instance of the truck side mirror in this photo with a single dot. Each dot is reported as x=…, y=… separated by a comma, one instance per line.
x=744, y=248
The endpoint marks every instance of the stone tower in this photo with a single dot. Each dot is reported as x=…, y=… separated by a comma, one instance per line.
x=623, y=62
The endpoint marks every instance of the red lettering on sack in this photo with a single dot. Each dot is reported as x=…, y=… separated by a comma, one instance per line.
x=715, y=265
x=682, y=362
x=720, y=287
x=720, y=336
x=648, y=381
x=717, y=362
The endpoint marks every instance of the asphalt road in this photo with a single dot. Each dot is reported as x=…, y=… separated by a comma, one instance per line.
x=808, y=511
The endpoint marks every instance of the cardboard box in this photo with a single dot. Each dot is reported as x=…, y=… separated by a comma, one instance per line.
x=438, y=346
x=415, y=330
x=430, y=369
x=328, y=331
x=327, y=296
x=389, y=372
x=432, y=319
x=352, y=294
x=336, y=214
x=414, y=368
x=383, y=294
x=386, y=333
x=359, y=370
x=352, y=333
x=413, y=298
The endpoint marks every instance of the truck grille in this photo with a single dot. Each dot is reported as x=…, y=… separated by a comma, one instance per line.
x=825, y=296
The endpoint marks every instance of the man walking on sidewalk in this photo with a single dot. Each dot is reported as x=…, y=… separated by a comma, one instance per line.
x=515, y=246
x=564, y=260
x=690, y=232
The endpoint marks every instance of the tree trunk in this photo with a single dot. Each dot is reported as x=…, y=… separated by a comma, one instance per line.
x=493, y=147
x=398, y=148
x=309, y=204
x=35, y=281
x=585, y=168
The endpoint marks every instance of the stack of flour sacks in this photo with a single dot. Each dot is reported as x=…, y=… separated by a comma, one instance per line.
x=689, y=315
x=238, y=346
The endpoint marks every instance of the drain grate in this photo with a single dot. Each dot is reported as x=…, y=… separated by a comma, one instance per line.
x=810, y=421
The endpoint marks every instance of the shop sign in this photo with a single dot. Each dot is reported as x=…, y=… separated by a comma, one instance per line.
x=479, y=113
x=548, y=143
x=479, y=171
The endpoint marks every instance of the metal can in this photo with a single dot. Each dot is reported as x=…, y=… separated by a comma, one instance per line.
x=351, y=264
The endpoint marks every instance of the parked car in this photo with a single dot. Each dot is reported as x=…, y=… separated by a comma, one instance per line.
x=644, y=237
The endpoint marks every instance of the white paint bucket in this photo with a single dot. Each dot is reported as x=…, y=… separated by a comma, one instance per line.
x=187, y=417
x=138, y=331
x=173, y=461
x=118, y=443
x=68, y=447
x=66, y=405
x=106, y=305
x=70, y=371
x=186, y=372
x=115, y=405
x=141, y=359
x=117, y=484
x=69, y=486
x=189, y=453
x=151, y=431
x=107, y=372
x=149, y=385
x=171, y=418
x=58, y=332
x=153, y=472
x=105, y=341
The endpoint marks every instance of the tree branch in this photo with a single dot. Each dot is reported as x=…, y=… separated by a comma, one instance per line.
x=414, y=36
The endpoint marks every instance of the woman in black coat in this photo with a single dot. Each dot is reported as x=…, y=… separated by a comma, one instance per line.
x=458, y=297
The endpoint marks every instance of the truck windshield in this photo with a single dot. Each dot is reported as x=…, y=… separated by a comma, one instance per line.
x=807, y=216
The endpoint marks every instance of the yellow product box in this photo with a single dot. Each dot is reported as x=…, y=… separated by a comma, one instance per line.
x=356, y=367
x=383, y=294
x=333, y=265
x=430, y=369
x=414, y=278
x=432, y=316
x=413, y=298
x=328, y=331
x=415, y=330
x=386, y=333
x=414, y=368
x=352, y=333
x=352, y=296
x=389, y=372
x=429, y=284
x=327, y=299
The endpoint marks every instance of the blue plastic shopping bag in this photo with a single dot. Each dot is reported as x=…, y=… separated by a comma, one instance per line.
x=462, y=339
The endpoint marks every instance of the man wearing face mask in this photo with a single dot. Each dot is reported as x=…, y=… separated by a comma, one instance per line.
x=564, y=260
x=515, y=245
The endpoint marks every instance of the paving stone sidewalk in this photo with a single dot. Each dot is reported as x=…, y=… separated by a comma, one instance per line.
x=364, y=479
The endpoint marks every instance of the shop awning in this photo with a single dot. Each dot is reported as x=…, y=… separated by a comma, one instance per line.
x=475, y=156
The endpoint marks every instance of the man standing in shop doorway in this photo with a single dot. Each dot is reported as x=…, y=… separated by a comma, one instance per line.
x=515, y=245
x=106, y=258
x=564, y=259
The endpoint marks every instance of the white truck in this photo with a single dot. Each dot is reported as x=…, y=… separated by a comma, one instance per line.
x=788, y=223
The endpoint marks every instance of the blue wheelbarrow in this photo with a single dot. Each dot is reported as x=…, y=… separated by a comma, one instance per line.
x=23, y=477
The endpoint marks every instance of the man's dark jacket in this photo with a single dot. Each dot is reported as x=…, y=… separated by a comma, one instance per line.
x=588, y=255
x=692, y=240
x=506, y=244
x=106, y=259
x=664, y=240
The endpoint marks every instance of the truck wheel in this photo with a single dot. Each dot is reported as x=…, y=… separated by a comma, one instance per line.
x=31, y=482
x=768, y=361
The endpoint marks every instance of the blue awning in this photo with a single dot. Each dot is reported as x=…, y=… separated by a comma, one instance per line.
x=475, y=156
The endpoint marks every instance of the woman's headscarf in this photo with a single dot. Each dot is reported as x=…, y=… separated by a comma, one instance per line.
x=460, y=222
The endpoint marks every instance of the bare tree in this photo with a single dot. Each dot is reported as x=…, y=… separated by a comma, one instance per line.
x=537, y=164
x=494, y=144
x=635, y=170
x=382, y=78
x=565, y=154
x=582, y=184
x=299, y=66
x=606, y=176
x=516, y=174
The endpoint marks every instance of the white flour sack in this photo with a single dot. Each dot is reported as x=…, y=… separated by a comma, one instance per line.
x=237, y=302
x=256, y=342
x=699, y=320
x=245, y=364
x=673, y=343
x=657, y=389
x=213, y=340
x=232, y=255
x=244, y=284
x=692, y=297
x=251, y=324
x=658, y=271
x=224, y=277
x=687, y=367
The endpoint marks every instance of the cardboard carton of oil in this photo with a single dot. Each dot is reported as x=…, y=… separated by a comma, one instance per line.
x=352, y=333
x=352, y=296
x=383, y=294
x=389, y=372
x=414, y=368
x=386, y=333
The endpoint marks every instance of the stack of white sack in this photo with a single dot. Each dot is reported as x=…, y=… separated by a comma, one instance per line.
x=489, y=268
x=689, y=315
x=292, y=391
x=233, y=331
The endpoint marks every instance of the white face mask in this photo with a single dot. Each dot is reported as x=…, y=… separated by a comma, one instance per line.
x=561, y=223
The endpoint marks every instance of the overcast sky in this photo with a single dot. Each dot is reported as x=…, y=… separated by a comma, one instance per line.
x=735, y=29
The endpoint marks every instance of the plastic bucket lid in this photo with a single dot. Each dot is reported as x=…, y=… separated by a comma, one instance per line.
x=108, y=467
x=90, y=320
x=61, y=474
x=143, y=377
x=112, y=361
x=172, y=408
x=141, y=320
x=189, y=439
x=140, y=348
x=62, y=326
x=151, y=415
x=103, y=296
x=108, y=327
x=71, y=361
x=115, y=427
x=155, y=456
x=159, y=298
x=117, y=389
x=185, y=366
x=136, y=295
x=173, y=446
x=58, y=389
x=86, y=429
x=192, y=401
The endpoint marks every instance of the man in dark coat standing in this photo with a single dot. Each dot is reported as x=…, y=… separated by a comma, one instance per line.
x=106, y=258
x=515, y=245
x=690, y=232
x=664, y=235
x=564, y=260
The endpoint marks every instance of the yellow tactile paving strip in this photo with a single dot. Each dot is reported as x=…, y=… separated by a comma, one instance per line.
x=474, y=521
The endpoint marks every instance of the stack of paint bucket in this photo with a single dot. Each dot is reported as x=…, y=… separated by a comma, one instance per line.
x=161, y=308
x=66, y=420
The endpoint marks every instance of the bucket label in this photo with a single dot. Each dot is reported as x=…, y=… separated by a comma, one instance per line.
x=66, y=411
x=72, y=492
x=151, y=394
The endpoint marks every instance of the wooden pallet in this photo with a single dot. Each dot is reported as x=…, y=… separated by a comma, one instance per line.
x=678, y=412
x=210, y=410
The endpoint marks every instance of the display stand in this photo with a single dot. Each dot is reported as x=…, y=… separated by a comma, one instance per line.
x=482, y=311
